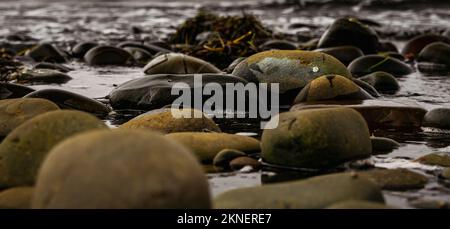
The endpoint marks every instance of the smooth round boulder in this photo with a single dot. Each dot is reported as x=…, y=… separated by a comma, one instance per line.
x=42, y=75
x=349, y=31
x=292, y=69
x=107, y=55
x=24, y=149
x=437, y=118
x=69, y=100
x=316, y=138
x=439, y=159
x=11, y=91
x=395, y=179
x=14, y=112
x=382, y=145
x=382, y=82
x=173, y=120
x=414, y=46
x=207, y=145
x=317, y=192
x=46, y=53
x=153, y=47
x=79, y=50
x=141, y=56
x=331, y=87
x=155, y=91
x=344, y=54
x=437, y=54
x=177, y=63
x=373, y=63
x=120, y=169
x=16, y=198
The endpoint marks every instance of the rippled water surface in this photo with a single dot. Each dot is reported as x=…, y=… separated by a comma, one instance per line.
x=67, y=23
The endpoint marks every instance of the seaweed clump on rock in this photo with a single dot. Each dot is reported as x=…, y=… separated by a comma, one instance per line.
x=220, y=39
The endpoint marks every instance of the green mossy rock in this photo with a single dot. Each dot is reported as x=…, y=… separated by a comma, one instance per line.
x=292, y=69
x=317, y=192
x=24, y=149
x=395, y=179
x=207, y=145
x=316, y=138
x=124, y=169
x=171, y=121
x=331, y=87
x=177, y=63
x=440, y=159
x=16, y=198
x=14, y=112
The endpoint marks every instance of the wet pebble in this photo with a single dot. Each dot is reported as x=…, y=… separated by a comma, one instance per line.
x=382, y=82
x=437, y=118
x=207, y=145
x=177, y=63
x=316, y=138
x=120, y=169
x=358, y=204
x=79, y=50
x=46, y=52
x=395, y=179
x=373, y=63
x=278, y=44
x=58, y=67
x=173, y=120
x=153, y=48
x=24, y=149
x=241, y=162
x=440, y=159
x=108, y=55
x=345, y=54
x=223, y=158
x=435, y=57
x=69, y=100
x=381, y=145
x=41, y=76
x=16, y=198
x=349, y=31
x=140, y=55
x=415, y=45
x=10, y=90
x=14, y=112
x=316, y=192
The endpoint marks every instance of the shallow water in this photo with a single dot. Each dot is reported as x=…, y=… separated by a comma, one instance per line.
x=68, y=23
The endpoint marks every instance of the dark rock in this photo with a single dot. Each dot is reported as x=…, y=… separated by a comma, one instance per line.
x=437, y=118
x=41, y=76
x=107, y=55
x=278, y=44
x=79, y=50
x=152, y=48
x=154, y=91
x=58, y=67
x=140, y=55
x=414, y=46
x=349, y=31
x=10, y=91
x=382, y=145
x=69, y=100
x=373, y=63
x=46, y=53
x=437, y=54
x=233, y=65
x=367, y=87
x=382, y=82
x=345, y=54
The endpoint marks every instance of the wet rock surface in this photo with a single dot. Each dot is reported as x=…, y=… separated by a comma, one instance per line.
x=16, y=198
x=155, y=160
x=395, y=179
